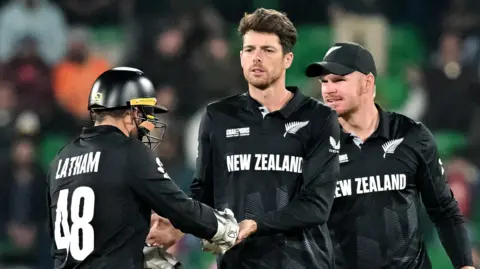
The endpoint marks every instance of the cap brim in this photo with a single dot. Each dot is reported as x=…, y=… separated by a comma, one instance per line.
x=325, y=68
x=159, y=109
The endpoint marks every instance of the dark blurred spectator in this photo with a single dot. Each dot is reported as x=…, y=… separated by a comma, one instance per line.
x=167, y=64
x=73, y=77
x=171, y=153
x=170, y=43
x=167, y=96
x=471, y=153
x=219, y=74
x=463, y=17
x=232, y=11
x=38, y=18
x=462, y=178
x=363, y=21
x=93, y=12
x=451, y=88
x=471, y=53
x=30, y=76
x=8, y=113
x=23, y=206
x=167, y=61
x=416, y=104
x=194, y=14
x=170, y=150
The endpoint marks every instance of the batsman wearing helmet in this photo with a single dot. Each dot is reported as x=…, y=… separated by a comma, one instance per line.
x=103, y=185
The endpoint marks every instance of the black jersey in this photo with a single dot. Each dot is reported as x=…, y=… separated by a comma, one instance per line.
x=279, y=169
x=383, y=181
x=101, y=190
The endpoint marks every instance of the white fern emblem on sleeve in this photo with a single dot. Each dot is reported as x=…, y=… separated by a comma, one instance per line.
x=161, y=169
x=391, y=145
x=293, y=127
x=160, y=166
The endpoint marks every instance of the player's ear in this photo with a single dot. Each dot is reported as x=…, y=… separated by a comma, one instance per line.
x=241, y=62
x=287, y=60
x=370, y=83
x=128, y=117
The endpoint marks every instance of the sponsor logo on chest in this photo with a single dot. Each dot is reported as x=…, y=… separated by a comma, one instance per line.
x=236, y=132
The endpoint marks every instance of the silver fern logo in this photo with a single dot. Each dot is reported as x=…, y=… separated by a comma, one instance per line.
x=293, y=127
x=390, y=146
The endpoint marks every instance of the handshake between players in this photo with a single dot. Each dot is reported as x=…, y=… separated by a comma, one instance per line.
x=163, y=235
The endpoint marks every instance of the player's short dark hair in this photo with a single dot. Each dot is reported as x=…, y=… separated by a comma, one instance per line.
x=270, y=21
x=99, y=115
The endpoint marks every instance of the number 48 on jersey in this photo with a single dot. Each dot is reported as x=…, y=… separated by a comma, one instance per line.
x=68, y=237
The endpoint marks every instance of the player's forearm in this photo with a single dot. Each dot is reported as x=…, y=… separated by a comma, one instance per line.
x=310, y=209
x=189, y=216
x=450, y=225
x=169, y=201
x=444, y=212
x=455, y=240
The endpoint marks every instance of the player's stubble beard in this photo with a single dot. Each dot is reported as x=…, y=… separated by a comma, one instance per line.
x=265, y=84
x=352, y=109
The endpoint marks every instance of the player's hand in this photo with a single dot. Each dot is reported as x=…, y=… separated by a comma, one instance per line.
x=227, y=233
x=247, y=227
x=162, y=233
x=467, y=267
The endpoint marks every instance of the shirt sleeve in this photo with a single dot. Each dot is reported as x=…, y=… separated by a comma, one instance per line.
x=152, y=184
x=202, y=186
x=320, y=171
x=440, y=203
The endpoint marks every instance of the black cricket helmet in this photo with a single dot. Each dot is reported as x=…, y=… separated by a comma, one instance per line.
x=129, y=88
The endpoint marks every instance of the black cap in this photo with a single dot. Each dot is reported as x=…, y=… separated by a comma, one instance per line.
x=343, y=59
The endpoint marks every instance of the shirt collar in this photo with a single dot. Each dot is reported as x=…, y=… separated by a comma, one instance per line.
x=298, y=97
x=100, y=129
x=383, y=128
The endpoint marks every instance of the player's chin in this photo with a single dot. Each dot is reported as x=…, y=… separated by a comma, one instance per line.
x=260, y=86
x=259, y=83
x=341, y=111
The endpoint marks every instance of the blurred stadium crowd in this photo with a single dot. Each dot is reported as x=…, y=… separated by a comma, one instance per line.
x=427, y=52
